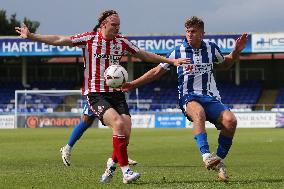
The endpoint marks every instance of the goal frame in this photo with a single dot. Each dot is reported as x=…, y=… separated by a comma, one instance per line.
x=17, y=92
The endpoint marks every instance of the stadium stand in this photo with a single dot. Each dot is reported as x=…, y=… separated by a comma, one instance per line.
x=161, y=95
x=7, y=92
x=156, y=96
x=243, y=96
x=279, y=101
x=63, y=85
x=31, y=103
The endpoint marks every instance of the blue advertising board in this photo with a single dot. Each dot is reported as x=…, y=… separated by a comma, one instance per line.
x=227, y=42
x=24, y=47
x=15, y=46
x=162, y=44
x=169, y=120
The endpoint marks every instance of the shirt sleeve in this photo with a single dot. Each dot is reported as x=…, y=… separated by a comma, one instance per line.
x=218, y=56
x=80, y=40
x=130, y=47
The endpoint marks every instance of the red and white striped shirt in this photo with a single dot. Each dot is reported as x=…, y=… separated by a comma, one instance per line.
x=99, y=53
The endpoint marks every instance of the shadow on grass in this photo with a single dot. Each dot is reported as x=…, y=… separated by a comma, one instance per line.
x=256, y=181
x=164, y=181
x=169, y=166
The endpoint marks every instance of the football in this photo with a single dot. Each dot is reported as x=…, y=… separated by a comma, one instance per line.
x=115, y=76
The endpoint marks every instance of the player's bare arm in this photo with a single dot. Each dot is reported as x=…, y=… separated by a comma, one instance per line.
x=230, y=58
x=151, y=57
x=57, y=40
x=151, y=75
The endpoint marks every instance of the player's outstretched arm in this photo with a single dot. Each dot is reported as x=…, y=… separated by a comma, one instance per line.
x=151, y=57
x=240, y=45
x=57, y=40
x=241, y=42
x=151, y=75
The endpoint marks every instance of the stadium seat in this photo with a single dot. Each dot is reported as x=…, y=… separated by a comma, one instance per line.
x=163, y=94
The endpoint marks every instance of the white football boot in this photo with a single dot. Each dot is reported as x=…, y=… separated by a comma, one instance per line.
x=211, y=162
x=109, y=172
x=130, y=176
x=222, y=172
x=66, y=156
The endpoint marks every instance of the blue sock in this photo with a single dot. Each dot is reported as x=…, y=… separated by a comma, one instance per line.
x=201, y=140
x=77, y=133
x=225, y=144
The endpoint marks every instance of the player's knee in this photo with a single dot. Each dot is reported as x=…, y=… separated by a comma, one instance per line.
x=230, y=123
x=118, y=123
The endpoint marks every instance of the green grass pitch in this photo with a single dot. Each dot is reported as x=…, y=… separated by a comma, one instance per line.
x=168, y=158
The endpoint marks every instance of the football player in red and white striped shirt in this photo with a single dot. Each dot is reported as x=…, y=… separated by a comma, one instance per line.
x=101, y=48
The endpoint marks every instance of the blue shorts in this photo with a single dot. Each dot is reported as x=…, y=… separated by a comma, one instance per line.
x=212, y=107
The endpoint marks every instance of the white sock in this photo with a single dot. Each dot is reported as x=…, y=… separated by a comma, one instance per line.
x=206, y=155
x=124, y=169
x=68, y=148
x=110, y=163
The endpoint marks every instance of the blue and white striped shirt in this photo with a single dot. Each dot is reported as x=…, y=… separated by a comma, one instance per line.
x=196, y=77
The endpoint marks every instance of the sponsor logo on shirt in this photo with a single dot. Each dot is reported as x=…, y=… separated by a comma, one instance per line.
x=108, y=56
x=197, y=69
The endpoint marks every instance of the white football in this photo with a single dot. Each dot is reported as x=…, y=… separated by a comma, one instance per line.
x=115, y=76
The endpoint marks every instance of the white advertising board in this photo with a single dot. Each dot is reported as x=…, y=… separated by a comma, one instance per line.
x=248, y=120
x=270, y=42
x=7, y=121
x=256, y=120
x=139, y=121
x=143, y=121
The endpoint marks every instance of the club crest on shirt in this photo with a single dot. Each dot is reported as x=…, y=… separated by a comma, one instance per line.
x=100, y=109
x=189, y=68
x=116, y=47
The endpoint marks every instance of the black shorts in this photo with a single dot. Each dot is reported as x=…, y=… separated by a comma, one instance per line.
x=100, y=102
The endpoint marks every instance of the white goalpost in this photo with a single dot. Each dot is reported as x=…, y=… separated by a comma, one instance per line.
x=43, y=108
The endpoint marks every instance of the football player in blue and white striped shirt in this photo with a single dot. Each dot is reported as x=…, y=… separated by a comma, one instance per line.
x=199, y=97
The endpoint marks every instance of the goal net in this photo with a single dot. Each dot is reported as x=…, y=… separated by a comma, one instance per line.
x=48, y=108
